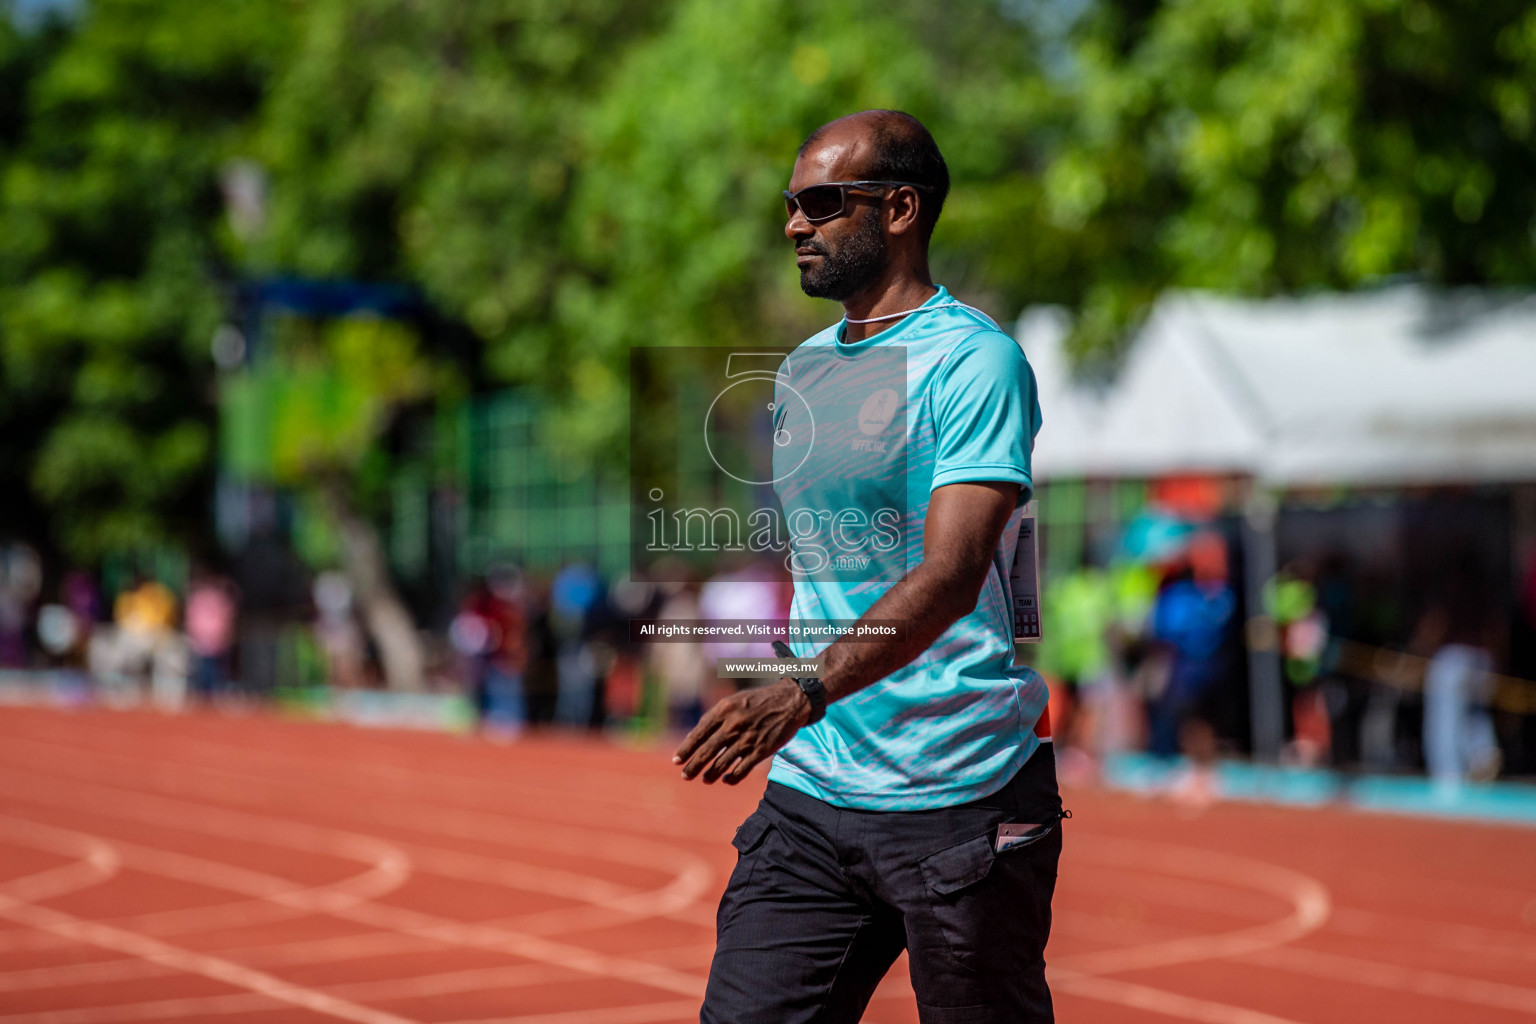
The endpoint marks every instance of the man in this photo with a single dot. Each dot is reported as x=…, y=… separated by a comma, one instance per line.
x=879, y=828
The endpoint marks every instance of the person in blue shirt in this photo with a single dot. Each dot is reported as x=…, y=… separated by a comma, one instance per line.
x=912, y=800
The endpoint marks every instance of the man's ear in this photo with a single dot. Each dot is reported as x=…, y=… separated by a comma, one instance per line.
x=905, y=213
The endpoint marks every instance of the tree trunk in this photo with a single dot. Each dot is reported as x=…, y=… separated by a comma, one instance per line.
x=384, y=615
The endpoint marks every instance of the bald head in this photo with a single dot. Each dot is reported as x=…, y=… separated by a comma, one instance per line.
x=889, y=145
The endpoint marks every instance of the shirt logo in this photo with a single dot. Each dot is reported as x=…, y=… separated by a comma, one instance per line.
x=877, y=411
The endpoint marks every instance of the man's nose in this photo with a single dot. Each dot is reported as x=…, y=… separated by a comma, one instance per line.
x=798, y=227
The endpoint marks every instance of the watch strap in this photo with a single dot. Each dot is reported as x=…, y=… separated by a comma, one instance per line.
x=817, y=695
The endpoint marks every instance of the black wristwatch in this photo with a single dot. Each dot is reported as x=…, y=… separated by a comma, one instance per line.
x=817, y=695
x=812, y=688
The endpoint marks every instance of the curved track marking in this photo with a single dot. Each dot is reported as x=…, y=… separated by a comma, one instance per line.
x=104, y=858
x=277, y=900
x=691, y=879
x=96, y=861
x=388, y=865
x=1309, y=898
x=377, y=915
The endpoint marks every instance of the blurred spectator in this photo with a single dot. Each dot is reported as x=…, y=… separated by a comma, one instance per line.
x=575, y=595
x=1076, y=659
x=145, y=643
x=1112, y=712
x=210, y=627
x=1290, y=600
x=148, y=609
x=21, y=578
x=1340, y=598
x=336, y=628
x=491, y=632
x=1193, y=617
x=1463, y=634
x=59, y=632
x=64, y=629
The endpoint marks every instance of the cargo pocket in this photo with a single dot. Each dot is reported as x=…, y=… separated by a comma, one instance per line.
x=751, y=833
x=988, y=906
x=953, y=877
x=957, y=867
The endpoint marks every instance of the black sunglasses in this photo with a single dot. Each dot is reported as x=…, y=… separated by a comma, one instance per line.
x=829, y=199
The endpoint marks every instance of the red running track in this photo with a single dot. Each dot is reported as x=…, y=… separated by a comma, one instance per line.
x=254, y=871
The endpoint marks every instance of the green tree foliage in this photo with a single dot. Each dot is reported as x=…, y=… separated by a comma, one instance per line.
x=572, y=178
x=438, y=143
x=1260, y=147
x=109, y=251
x=678, y=221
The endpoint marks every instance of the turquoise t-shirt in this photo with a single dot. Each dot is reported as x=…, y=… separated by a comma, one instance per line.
x=958, y=722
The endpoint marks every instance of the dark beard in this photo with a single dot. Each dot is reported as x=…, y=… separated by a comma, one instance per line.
x=853, y=266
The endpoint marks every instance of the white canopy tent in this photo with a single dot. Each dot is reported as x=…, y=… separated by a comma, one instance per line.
x=1398, y=386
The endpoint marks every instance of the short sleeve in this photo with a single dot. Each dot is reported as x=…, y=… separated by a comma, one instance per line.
x=986, y=413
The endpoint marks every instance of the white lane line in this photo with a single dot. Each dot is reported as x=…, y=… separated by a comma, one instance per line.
x=1154, y=1000
x=1081, y=975
x=163, y=924
x=122, y=804
x=102, y=855
x=1475, y=991
x=391, y=869
x=96, y=861
x=650, y=1013
x=688, y=884
x=1309, y=899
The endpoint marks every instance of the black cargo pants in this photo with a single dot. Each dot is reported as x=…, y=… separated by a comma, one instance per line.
x=823, y=900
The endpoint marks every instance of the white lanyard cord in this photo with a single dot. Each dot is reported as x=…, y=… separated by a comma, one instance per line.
x=909, y=312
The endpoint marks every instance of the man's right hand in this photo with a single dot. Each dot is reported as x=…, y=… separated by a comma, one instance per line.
x=737, y=733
